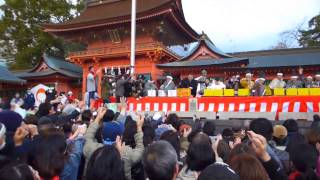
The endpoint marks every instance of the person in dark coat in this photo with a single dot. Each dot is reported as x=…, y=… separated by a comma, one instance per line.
x=191, y=83
x=29, y=100
x=120, y=87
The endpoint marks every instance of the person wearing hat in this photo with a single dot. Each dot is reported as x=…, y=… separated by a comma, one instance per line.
x=295, y=81
x=278, y=82
x=317, y=80
x=308, y=82
x=29, y=100
x=168, y=84
x=280, y=136
x=259, y=88
x=247, y=82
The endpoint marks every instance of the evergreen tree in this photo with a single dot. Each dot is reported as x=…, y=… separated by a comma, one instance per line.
x=311, y=37
x=22, y=41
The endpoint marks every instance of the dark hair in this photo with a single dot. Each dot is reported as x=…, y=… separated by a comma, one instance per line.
x=240, y=149
x=16, y=171
x=223, y=150
x=160, y=161
x=31, y=119
x=291, y=125
x=90, y=67
x=173, y=119
x=227, y=135
x=248, y=167
x=173, y=138
x=86, y=116
x=200, y=153
x=209, y=128
x=263, y=127
x=105, y=164
x=148, y=135
x=108, y=116
x=305, y=162
x=44, y=109
x=129, y=132
x=49, y=153
x=313, y=136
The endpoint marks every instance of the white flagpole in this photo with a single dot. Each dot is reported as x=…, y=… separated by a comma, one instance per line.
x=133, y=35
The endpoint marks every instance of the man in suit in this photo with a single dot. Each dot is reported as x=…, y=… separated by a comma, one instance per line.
x=120, y=86
x=191, y=83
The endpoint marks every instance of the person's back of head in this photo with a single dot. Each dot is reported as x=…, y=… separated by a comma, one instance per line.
x=148, y=135
x=173, y=138
x=223, y=150
x=227, y=135
x=17, y=171
x=291, y=125
x=44, y=109
x=129, y=132
x=304, y=159
x=49, y=153
x=263, y=127
x=108, y=116
x=218, y=171
x=86, y=116
x=240, y=149
x=173, y=119
x=160, y=161
x=248, y=167
x=200, y=153
x=209, y=128
x=105, y=164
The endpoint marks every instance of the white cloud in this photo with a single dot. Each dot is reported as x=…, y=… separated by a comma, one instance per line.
x=238, y=25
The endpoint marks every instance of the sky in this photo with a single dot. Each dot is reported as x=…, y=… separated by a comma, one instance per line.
x=246, y=25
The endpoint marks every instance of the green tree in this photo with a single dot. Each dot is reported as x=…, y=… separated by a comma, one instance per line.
x=311, y=37
x=22, y=41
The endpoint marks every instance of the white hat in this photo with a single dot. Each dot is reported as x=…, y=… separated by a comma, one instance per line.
x=70, y=93
x=248, y=74
x=295, y=77
x=309, y=77
x=169, y=77
x=279, y=74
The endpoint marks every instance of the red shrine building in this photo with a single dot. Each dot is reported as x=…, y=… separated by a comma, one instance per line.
x=104, y=28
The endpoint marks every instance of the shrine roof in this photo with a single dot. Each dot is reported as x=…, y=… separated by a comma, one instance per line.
x=8, y=77
x=203, y=62
x=205, y=41
x=300, y=59
x=114, y=12
x=55, y=65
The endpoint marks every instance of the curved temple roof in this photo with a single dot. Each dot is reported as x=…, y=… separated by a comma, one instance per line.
x=8, y=77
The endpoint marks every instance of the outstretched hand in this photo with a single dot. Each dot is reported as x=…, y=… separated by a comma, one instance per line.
x=259, y=144
x=140, y=122
x=101, y=112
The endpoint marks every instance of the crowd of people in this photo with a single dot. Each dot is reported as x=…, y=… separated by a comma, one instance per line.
x=130, y=86
x=69, y=141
